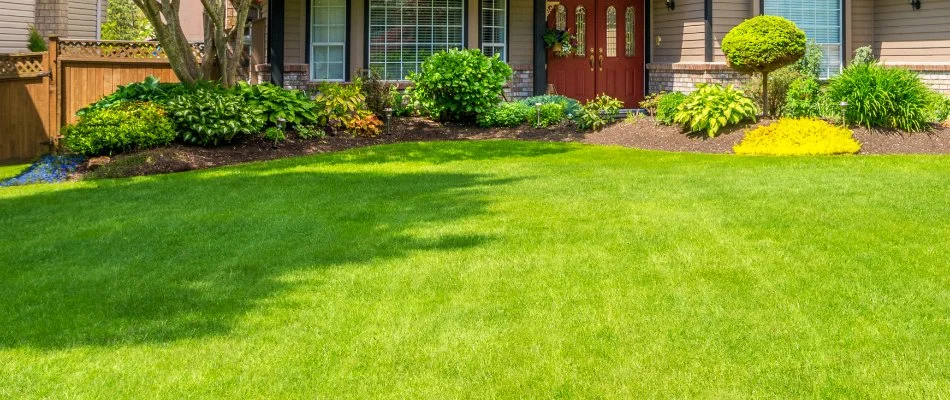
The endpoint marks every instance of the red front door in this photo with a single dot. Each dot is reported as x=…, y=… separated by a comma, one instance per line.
x=611, y=61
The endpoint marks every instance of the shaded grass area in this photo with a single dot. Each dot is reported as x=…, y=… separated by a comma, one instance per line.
x=11, y=170
x=483, y=269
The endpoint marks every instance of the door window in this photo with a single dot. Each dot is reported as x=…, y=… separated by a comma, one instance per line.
x=580, y=16
x=630, y=36
x=611, y=32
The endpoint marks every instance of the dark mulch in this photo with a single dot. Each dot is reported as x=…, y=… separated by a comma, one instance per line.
x=642, y=134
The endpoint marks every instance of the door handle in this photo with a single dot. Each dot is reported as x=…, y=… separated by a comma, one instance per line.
x=591, y=59
x=601, y=58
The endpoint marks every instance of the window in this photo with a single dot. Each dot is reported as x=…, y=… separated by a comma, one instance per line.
x=580, y=20
x=611, y=31
x=494, y=27
x=821, y=21
x=328, y=40
x=403, y=33
x=560, y=19
x=630, y=34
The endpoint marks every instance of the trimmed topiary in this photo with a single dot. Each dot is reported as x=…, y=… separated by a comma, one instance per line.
x=764, y=44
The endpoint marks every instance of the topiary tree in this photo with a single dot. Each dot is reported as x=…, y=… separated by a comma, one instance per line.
x=761, y=45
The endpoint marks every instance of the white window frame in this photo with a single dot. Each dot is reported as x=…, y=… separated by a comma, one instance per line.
x=486, y=26
x=325, y=45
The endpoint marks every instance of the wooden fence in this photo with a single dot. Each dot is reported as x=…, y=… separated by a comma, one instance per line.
x=41, y=92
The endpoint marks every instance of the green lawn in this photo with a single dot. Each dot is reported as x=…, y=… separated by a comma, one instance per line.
x=484, y=269
x=10, y=171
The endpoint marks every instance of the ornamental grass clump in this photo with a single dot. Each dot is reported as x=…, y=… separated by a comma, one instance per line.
x=792, y=137
x=878, y=96
x=761, y=45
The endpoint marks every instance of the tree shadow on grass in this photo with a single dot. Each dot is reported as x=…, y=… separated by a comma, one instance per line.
x=185, y=256
x=443, y=152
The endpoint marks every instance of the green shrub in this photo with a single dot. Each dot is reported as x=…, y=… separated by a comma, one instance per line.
x=810, y=63
x=400, y=102
x=941, y=108
x=798, y=137
x=506, y=114
x=713, y=107
x=376, y=92
x=572, y=108
x=599, y=112
x=651, y=101
x=779, y=82
x=281, y=107
x=150, y=90
x=35, y=41
x=129, y=126
x=275, y=134
x=863, y=55
x=883, y=97
x=549, y=114
x=763, y=44
x=803, y=98
x=667, y=105
x=212, y=115
x=337, y=103
x=460, y=84
x=310, y=132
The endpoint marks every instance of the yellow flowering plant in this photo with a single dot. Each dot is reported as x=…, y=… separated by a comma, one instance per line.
x=805, y=136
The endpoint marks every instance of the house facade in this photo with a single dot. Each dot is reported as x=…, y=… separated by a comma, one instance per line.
x=625, y=48
x=75, y=19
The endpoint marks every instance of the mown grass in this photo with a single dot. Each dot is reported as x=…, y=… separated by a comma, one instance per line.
x=484, y=269
x=11, y=170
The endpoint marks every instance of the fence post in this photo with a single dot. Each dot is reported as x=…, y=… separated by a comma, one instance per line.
x=55, y=97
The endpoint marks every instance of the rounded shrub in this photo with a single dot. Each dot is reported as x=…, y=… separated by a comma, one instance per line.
x=883, y=97
x=123, y=127
x=764, y=44
x=798, y=137
x=459, y=84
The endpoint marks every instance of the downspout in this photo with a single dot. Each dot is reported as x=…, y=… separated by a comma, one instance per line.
x=98, y=19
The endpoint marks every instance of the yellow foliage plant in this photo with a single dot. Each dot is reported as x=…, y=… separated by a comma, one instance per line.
x=791, y=136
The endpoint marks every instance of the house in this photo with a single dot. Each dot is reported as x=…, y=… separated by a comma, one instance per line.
x=626, y=48
x=75, y=19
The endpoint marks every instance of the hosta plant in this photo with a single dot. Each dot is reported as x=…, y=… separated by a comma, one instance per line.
x=282, y=108
x=798, y=137
x=713, y=107
x=506, y=114
x=212, y=116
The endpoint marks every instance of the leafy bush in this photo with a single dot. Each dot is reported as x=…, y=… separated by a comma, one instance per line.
x=280, y=105
x=338, y=102
x=763, y=44
x=651, y=101
x=802, y=99
x=798, y=137
x=941, y=108
x=310, y=132
x=148, y=90
x=460, y=84
x=572, y=108
x=400, y=102
x=129, y=126
x=35, y=41
x=713, y=107
x=667, y=106
x=810, y=63
x=883, y=97
x=212, y=115
x=549, y=114
x=779, y=82
x=863, y=55
x=599, y=112
x=506, y=114
x=363, y=124
x=375, y=91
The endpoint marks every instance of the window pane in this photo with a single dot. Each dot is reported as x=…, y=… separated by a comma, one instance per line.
x=402, y=33
x=821, y=21
x=494, y=27
x=611, y=32
x=630, y=33
x=328, y=40
x=580, y=20
x=560, y=21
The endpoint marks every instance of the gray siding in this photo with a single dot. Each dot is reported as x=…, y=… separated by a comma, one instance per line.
x=681, y=32
x=726, y=15
x=15, y=18
x=521, y=32
x=903, y=35
x=82, y=19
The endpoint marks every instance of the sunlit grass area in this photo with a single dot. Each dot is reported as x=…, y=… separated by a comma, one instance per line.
x=484, y=269
x=8, y=171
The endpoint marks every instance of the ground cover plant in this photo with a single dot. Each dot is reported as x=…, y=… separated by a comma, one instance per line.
x=790, y=136
x=492, y=269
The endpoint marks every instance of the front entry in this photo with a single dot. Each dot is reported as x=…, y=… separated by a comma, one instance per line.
x=609, y=56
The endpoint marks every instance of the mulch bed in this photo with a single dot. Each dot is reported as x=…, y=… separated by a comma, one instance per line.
x=642, y=134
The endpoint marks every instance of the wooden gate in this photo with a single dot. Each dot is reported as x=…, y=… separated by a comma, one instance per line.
x=41, y=92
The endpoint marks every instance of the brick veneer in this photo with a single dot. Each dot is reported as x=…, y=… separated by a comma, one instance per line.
x=937, y=76
x=522, y=82
x=683, y=77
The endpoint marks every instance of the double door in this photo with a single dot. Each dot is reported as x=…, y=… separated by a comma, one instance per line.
x=609, y=56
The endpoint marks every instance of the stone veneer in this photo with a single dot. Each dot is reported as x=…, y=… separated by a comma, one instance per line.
x=683, y=77
x=296, y=77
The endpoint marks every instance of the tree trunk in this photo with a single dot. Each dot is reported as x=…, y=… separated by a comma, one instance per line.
x=765, y=94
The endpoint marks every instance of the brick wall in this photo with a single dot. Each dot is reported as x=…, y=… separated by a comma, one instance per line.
x=522, y=82
x=937, y=76
x=683, y=77
x=51, y=18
